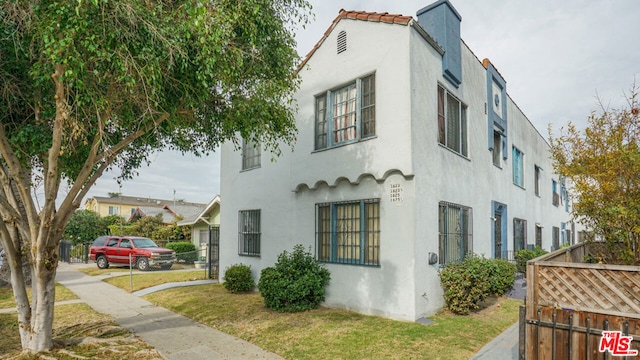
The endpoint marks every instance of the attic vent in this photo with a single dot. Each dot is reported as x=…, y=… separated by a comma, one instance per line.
x=342, y=41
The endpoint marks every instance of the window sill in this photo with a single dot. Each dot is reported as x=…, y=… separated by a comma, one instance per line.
x=453, y=151
x=251, y=168
x=521, y=187
x=345, y=144
x=251, y=255
x=348, y=264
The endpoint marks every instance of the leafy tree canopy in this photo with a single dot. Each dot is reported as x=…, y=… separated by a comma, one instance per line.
x=603, y=164
x=89, y=85
x=84, y=226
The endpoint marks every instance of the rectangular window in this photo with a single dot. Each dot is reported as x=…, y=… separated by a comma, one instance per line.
x=352, y=114
x=113, y=210
x=536, y=179
x=349, y=232
x=519, y=234
x=321, y=122
x=518, y=167
x=556, y=197
x=249, y=232
x=250, y=155
x=538, y=236
x=497, y=146
x=452, y=122
x=555, y=238
x=455, y=232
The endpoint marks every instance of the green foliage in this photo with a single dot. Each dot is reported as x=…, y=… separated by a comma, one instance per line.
x=467, y=283
x=88, y=86
x=502, y=274
x=522, y=256
x=84, y=226
x=146, y=226
x=238, y=278
x=603, y=162
x=185, y=251
x=296, y=283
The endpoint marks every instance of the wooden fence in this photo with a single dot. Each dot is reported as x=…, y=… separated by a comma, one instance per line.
x=570, y=303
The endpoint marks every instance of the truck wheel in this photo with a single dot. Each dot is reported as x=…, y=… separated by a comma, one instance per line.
x=143, y=264
x=102, y=262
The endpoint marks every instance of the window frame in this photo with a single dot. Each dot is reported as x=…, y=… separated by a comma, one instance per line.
x=519, y=238
x=537, y=170
x=114, y=210
x=251, y=155
x=326, y=136
x=464, y=238
x=518, y=166
x=249, y=231
x=497, y=149
x=460, y=145
x=358, y=245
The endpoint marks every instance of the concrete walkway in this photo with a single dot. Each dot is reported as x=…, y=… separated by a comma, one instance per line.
x=173, y=335
x=502, y=347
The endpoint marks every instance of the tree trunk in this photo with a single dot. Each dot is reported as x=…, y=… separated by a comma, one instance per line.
x=37, y=336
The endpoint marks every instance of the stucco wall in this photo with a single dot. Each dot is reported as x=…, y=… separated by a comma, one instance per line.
x=405, y=152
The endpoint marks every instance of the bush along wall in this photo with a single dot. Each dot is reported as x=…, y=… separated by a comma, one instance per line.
x=295, y=283
x=522, y=256
x=185, y=251
x=469, y=282
x=238, y=278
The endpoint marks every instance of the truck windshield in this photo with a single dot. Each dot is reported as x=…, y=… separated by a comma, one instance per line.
x=144, y=243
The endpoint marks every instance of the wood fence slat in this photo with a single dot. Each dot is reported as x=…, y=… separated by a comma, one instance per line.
x=614, y=289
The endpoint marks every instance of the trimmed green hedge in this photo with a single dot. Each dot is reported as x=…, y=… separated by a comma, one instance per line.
x=469, y=282
x=185, y=251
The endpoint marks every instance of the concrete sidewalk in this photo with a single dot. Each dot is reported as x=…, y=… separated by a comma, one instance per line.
x=173, y=335
x=502, y=347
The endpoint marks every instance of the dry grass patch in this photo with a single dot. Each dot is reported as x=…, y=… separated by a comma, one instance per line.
x=7, y=301
x=338, y=334
x=79, y=333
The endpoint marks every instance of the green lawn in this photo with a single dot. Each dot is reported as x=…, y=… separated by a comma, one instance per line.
x=337, y=334
x=318, y=334
x=146, y=280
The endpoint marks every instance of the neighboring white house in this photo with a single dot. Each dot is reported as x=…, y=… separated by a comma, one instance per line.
x=205, y=224
x=409, y=155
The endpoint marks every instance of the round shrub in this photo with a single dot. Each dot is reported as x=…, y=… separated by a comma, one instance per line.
x=502, y=274
x=295, y=283
x=185, y=251
x=522, y=256
x=238, y=278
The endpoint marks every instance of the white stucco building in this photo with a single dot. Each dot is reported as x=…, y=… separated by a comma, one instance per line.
x=409, y=149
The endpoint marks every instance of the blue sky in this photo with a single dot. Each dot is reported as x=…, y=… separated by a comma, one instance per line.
x=558, y=58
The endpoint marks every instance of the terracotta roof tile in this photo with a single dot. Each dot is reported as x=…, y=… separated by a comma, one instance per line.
x=384, y=17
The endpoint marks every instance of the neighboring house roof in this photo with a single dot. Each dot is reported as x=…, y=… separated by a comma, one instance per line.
x=384, y=17
x=169, y=214
x=204, y=215
x=138, y=201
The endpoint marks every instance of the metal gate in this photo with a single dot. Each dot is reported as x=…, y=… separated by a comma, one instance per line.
x=214, y=252
x=73, y=253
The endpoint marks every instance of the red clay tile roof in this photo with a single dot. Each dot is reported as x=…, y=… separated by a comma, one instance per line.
x=357, y=15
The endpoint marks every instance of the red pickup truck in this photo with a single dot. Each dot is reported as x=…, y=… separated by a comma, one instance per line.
x=144, y=252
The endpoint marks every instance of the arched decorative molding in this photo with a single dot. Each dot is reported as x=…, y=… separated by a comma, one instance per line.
x=332, y=184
